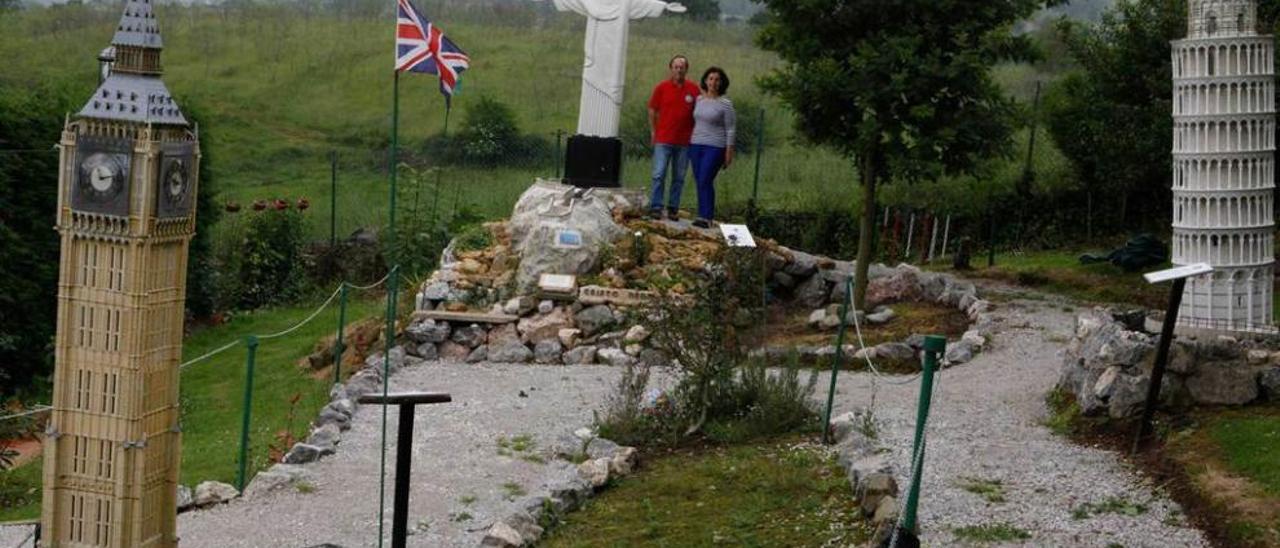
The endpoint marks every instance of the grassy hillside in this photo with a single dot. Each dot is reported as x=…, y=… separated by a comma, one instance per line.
x=285, y=87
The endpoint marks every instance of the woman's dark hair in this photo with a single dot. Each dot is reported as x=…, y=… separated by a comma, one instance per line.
x=724, y=79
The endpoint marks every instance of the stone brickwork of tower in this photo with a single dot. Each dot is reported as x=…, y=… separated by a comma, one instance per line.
x=126, y=216
x=1224, y=165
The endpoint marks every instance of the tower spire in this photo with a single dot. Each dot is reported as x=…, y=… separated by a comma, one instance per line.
x=138, y=26
x=133, y=90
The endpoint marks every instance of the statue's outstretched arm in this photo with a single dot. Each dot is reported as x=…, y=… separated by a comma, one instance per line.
x=640, y=9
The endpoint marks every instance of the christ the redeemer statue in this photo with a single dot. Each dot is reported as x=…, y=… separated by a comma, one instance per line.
x=605, y=68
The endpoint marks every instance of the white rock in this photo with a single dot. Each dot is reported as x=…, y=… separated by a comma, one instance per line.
x=637, y=334
x=1258, y=357
x=502, y=535
x=569, y=337
x=595, y=472
x=210, y=493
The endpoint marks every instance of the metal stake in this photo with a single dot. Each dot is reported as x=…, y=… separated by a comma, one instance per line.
x=837, y=356
x=340, y=346
x=1162, y=361
x=933, y=346
x=250, y=342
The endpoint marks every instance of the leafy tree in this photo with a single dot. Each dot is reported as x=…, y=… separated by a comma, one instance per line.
x=30, y=125
x=902, y=88
x=1113, y=117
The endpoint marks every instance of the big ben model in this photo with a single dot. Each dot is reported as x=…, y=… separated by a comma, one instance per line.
x=126, y=196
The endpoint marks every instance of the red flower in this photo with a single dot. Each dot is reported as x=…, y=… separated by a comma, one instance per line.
x=259, y=205
x=232, y=207
x=281, y=205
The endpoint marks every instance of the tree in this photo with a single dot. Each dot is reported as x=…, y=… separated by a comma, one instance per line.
x=1113, y=116
x=902, y=88
x=30, y=125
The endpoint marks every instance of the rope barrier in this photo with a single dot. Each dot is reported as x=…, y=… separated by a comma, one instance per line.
x=33, y=411
x=313, y=315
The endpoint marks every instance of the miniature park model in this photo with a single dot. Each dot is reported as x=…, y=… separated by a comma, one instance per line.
x=126, y=194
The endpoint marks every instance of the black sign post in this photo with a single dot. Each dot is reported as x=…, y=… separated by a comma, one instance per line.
x=1179, y=276
x=404, y=453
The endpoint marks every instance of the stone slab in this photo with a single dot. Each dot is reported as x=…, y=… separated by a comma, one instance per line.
x=465, y=317
x=594, y=294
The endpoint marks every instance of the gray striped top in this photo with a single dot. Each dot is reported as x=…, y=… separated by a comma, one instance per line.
x=714, y=122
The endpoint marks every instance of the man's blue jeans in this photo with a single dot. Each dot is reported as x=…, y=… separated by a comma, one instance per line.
x=677, y=158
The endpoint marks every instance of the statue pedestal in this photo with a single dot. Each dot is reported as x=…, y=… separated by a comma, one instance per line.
x=592, y=162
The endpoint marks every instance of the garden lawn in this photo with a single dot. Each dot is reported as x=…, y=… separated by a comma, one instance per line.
x=788, y=492
x=1230, y=458
x=1060, y=272
x=213, y=392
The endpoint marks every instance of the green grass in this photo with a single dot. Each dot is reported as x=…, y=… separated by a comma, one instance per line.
x=982, y=534
x=21, y=484
x=763, y=494
x=275, y=105
x=990, y=490
x=1250, y=446
x=213, y=391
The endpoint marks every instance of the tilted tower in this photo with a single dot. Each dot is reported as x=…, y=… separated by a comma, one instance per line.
x=1224, y=165
x=126, y=196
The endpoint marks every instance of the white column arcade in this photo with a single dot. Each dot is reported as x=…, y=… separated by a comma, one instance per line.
x=1223, y=161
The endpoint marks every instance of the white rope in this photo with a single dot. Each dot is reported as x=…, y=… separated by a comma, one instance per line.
x=370, y=286
x=210, y=354
x=36, y=409
x=863, y=346
x=306, y=321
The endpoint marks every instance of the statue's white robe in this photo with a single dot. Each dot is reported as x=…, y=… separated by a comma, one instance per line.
x=604, y=71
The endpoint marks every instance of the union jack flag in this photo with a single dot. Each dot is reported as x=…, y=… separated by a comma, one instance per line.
x=422, y=47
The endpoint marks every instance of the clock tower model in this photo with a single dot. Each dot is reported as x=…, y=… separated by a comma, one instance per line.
x=126, y=197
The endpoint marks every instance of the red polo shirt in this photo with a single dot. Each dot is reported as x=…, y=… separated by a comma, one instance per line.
x=674, y=104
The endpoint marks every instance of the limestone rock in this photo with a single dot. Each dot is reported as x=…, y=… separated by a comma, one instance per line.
x=544, y=210
x=653, y=357
x=480, y=354
x=886, y=511
x=519, y=306
x=900, y=287
x=595, y=472
x=428, y=351
x=958, y=353
x=209, y=493
x=328, y=416
x=637, y=334
x=428, y=331
x=615, y=357
x=501, y=535
x=539, y=328
x=882, y=316
x=470, y=336
x=505, y=333
x=436, y=291
x=898, y=352
x=510, y=353
x=1258, y=357
x=1223, y=383
x=303, y=453
x=623, y=461
x=582, y=355
x=547, y=351
x=633, y=350
x=1128, y=395
x=1270, y=381
x=453, y=352
x=184, y=498
x=569, y=337
x=593, y=319
x=802, y=265
x=873, y=488
x=276, y=477
x=816, y=317
x=325, y=437
x=811, y=293
x=782, y=279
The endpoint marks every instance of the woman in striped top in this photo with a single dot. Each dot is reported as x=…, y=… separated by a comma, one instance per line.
x=711, y=148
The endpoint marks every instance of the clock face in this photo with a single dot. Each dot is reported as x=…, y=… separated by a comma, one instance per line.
x=102, y=177
x=173, y=198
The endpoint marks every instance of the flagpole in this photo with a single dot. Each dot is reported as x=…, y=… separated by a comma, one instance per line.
x=392, y=287
x=448, y=106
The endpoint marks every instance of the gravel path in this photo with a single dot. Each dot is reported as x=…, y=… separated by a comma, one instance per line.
x=984, y=426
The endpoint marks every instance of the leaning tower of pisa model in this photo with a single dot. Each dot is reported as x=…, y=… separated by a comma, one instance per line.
x=1223, y=165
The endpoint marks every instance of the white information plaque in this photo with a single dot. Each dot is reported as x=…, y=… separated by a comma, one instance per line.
x=1179, y=272
x=737, y=235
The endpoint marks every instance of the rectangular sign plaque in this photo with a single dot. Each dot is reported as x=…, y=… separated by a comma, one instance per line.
x=737, y=235
x=1178, y=272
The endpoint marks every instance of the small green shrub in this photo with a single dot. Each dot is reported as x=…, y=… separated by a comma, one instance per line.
x=490, y=137
x=1002, y=532
x=473, y=238
x=271, y=267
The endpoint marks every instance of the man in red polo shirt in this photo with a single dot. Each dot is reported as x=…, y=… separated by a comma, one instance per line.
x=671, y=127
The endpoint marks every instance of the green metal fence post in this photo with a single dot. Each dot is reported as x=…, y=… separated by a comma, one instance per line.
x=250, y=342
x=836, y=358
x=341, y=344
x=933, y=347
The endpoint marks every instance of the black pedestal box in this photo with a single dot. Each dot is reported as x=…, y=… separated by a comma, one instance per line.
x=593, y=161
